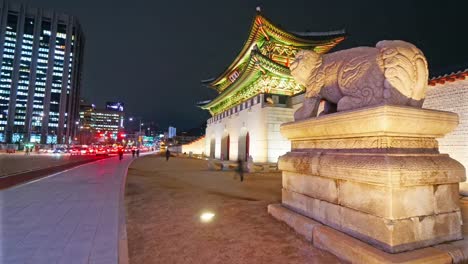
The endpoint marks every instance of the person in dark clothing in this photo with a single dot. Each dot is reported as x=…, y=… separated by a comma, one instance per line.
x=138, y=153
x=168, y=154
x=133, y=153
x=240, y=169
x=121, y=152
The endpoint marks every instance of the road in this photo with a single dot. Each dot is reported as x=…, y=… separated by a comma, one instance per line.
x=70, y=217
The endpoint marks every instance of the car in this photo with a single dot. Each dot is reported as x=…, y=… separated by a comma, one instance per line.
x=114, y=150
x=59, y=150
x=101, y=151
x=76, y=151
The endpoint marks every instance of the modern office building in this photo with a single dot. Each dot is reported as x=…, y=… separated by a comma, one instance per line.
x=41, y=61
x=172, y=132
x=96, y=122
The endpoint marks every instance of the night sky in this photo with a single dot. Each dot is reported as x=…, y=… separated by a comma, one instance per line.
x=151, y=55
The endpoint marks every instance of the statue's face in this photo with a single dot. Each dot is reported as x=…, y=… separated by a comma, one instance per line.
x=304, y=64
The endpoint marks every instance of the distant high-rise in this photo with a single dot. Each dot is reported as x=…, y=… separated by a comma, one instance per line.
x=108, y=120
x=172, y=132
x=41, y=61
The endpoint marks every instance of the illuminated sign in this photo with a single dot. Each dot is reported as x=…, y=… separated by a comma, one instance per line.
x=233, y=76
x=115, y=106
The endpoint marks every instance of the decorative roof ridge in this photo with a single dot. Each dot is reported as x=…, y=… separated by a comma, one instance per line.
x=257, y=29
x=319, y=34
x=244, y=74
x=209, y=80
x=265, y=60
x=451, y=77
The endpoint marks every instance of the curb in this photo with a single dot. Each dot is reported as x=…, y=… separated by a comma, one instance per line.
x=122, y=244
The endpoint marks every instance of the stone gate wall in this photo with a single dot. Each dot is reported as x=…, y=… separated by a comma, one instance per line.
x=452, y=97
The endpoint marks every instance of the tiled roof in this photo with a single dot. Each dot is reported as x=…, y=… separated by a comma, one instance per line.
x=452, y=77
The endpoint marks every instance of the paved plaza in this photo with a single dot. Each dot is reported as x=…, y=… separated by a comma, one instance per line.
x=165, y=199
x=72, y=217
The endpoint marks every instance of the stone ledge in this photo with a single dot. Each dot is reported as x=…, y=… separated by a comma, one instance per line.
x=392, y=236
x=379, y=169
x=301, y=224
x=384, y=120
x=353, y=250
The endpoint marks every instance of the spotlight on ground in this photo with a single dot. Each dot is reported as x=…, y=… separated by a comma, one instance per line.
x=207, y=217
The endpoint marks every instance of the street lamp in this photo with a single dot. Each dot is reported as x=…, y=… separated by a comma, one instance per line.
x=139, y=127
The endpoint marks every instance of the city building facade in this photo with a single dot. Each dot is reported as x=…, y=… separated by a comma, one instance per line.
x=41, y=61
x=100, y=124
x=172, y=132
x=257, y=93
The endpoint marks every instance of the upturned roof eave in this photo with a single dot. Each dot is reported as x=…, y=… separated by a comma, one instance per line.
x=250, y=72
x=254, y=36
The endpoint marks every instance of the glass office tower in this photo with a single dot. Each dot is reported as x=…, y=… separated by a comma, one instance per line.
x=40, y=56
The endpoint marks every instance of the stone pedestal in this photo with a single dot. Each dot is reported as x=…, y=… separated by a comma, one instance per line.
x=376, y=174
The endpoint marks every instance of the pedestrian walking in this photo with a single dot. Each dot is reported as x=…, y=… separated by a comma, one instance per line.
x=133, y=153
x=121, y=152
x=240, y=169
x=138, y=153
x=168, y=154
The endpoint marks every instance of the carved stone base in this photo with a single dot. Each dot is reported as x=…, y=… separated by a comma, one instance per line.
x=353, y=250
x=376, y=174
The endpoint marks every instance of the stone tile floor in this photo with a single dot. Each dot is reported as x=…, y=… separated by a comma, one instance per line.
x=71, y=217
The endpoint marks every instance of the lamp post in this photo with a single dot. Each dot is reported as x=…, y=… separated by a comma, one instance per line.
x=77, y=131
x=139, y=127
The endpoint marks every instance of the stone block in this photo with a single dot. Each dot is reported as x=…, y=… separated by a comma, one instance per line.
x=353, y=250
x=313, y=186
x=387, y=234
x=400, y=235
x=391, y=203
x=322, y=211
x=446, y=198
x=301, y=224
x=458, y=250
x=464, y=213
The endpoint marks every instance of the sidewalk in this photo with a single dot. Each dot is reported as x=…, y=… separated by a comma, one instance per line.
x=72, y=217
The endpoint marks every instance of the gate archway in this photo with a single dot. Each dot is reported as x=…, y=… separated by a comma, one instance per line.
x=212, y=147
x=244, y=145
x=225, y=144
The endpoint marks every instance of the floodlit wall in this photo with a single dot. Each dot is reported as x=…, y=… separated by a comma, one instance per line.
x=452, y=97
x=276, y=144
x=254, y=121
x=251, y=119
x=196, y=147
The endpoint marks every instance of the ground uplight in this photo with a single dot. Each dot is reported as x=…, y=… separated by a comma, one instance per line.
x=207, y=217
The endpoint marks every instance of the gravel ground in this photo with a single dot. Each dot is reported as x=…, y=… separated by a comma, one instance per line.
x=165, y=199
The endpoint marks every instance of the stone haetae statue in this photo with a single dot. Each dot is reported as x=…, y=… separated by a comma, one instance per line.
x=394, y=72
